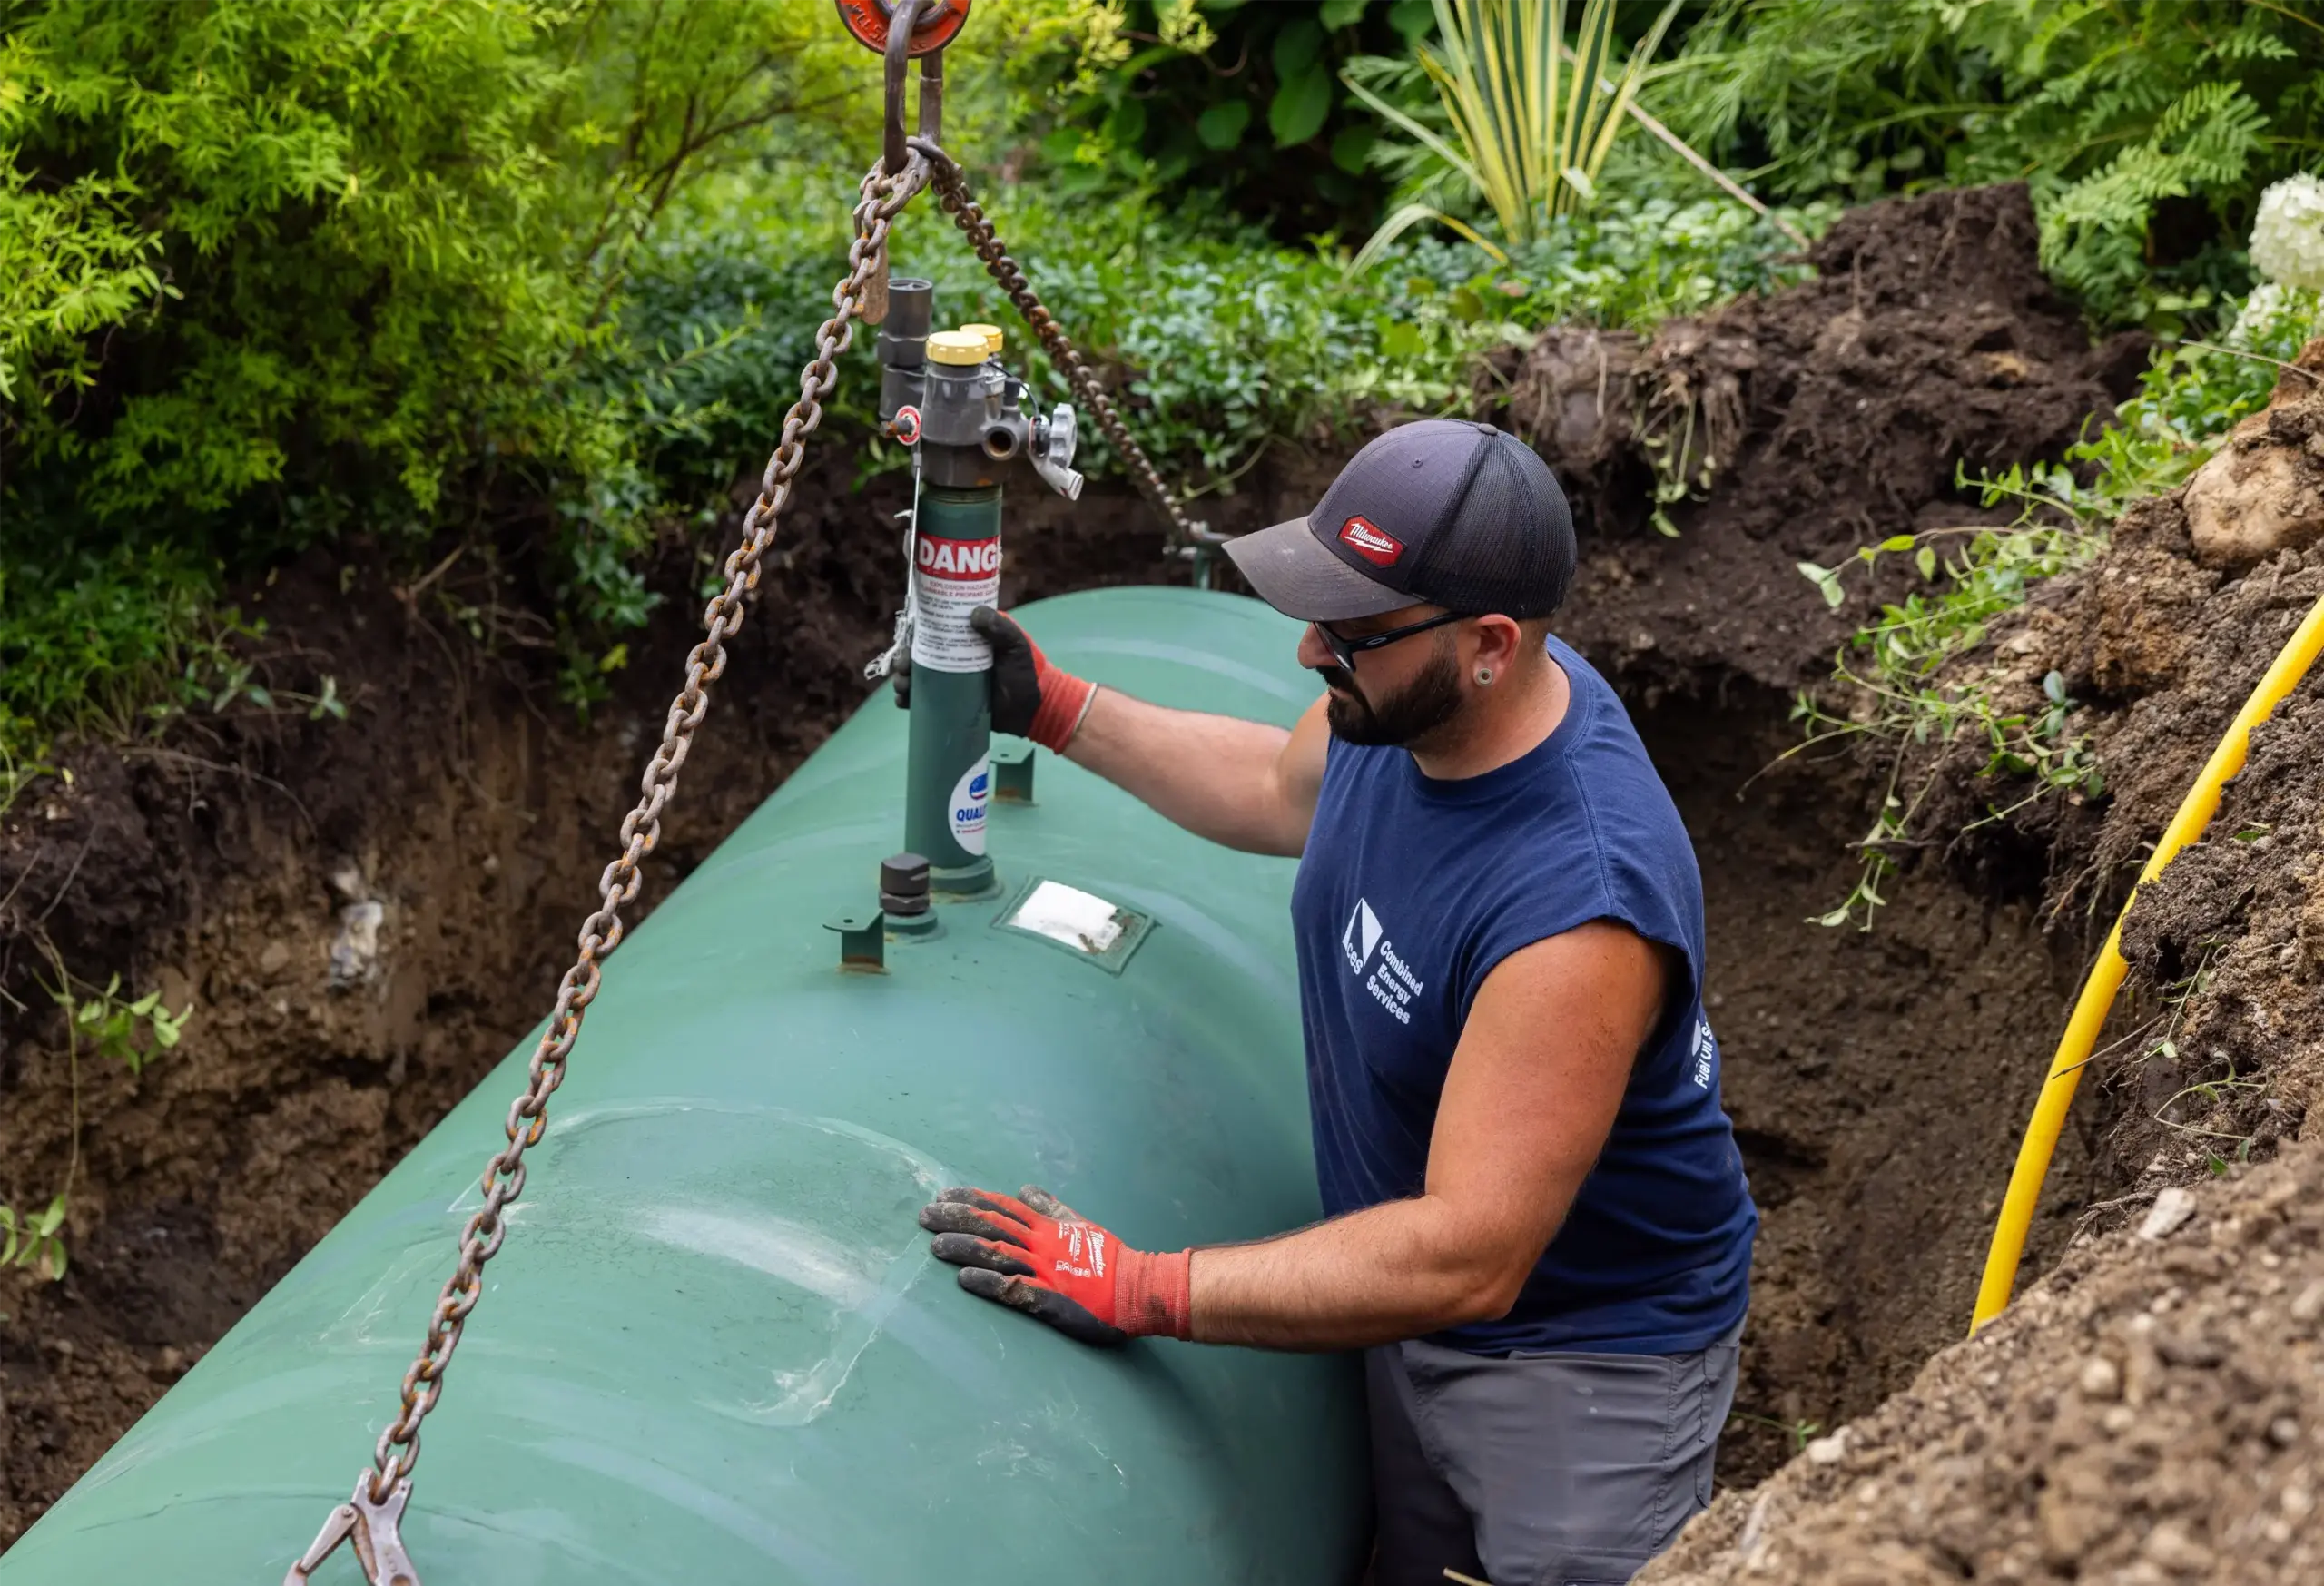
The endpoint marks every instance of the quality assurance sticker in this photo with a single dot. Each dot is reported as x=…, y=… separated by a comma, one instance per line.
x=971, y=794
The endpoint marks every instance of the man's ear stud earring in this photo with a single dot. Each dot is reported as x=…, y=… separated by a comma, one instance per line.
x=1485, y=676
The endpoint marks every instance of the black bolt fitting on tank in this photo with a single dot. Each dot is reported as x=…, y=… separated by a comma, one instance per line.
x=903, y=890
x=945, y=394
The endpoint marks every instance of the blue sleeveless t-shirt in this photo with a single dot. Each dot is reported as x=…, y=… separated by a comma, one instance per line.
x=1411, y=891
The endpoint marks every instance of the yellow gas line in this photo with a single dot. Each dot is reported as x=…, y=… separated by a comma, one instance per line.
x=2105, y=979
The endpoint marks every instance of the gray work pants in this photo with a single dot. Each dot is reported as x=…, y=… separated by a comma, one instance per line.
x=1538, y=1470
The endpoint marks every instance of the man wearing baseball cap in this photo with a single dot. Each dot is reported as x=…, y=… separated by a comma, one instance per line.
x=1538, y=1226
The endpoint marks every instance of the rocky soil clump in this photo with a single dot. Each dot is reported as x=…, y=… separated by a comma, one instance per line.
x=2153, y=1413
x=2216, y=1053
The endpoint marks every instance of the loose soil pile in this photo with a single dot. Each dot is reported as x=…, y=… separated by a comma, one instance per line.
x=2215, y=1054
x=2153, y=1413
x=1877, y=1080
x=1827, y=416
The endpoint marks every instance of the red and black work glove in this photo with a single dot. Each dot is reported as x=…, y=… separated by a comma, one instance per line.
x=1037, y=1254
x=1031, y=698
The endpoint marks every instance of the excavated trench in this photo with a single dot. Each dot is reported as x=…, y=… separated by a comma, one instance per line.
x=1877, y=1080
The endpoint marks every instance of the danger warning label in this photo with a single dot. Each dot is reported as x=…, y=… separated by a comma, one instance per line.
x=950, y=578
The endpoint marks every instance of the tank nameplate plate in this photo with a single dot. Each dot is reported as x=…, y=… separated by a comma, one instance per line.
x=1084, y=924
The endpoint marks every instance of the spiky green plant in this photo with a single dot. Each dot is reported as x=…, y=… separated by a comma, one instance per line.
x=1532, y=120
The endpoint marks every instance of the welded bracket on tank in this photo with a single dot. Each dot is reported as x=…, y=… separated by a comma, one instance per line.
x=371, y=1524
x=1012, y=772
x=862, y=940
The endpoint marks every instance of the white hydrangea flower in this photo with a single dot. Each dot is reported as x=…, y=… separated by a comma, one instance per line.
x=2262, y=310
x=2288, y=239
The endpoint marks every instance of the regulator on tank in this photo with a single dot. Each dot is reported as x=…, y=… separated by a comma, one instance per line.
x=945, y=394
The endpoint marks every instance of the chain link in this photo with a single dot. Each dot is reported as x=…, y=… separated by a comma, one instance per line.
x=950, y=185
x=881, y=198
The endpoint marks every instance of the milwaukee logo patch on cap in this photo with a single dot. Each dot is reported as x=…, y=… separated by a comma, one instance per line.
x=1372, y=543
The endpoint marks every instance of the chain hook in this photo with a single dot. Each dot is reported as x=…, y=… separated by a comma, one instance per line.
x=373, y=1526
x=903, y=31
x=898, y=58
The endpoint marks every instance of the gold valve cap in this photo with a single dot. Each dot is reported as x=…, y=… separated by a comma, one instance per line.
x=956, y=347
x=993, y=339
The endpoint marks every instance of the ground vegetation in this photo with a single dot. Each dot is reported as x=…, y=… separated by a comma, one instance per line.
x=2145, y=128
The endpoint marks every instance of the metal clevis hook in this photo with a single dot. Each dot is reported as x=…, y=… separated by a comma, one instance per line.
x=906, y=30
x=371, y=1524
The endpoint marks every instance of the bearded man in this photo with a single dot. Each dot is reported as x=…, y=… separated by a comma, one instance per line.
x=1537, y=1223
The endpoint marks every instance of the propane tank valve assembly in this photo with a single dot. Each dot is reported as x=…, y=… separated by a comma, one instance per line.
x=946, y=395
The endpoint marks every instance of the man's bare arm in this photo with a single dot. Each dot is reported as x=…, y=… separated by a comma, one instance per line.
x=1246, y=784
x=1528, y=1103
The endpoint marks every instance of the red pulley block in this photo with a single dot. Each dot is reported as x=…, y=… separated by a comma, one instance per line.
x=939, y=20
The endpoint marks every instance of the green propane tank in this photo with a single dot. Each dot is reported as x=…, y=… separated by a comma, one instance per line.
x=714, y=1348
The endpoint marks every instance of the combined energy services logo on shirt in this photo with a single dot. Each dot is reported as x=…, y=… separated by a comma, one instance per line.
x=1393, y=984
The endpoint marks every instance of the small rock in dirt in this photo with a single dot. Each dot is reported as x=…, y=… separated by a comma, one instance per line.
x=355, y=952
x=273, y=959
x=2258, y=496
x=2309, y=1305
x=2169, y=1545
x=2283, y=1431
x=345, y=879
x=2202, y=1354
x=1754, y=1529
x=1830, y=1451
x=2100, y=1380
x=2171, y=1210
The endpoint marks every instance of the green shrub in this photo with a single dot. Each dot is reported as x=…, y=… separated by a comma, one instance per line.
x=2114, y=110
x=269, y=272
x=1228, y=341
x=1239, y=99
x=543, y=273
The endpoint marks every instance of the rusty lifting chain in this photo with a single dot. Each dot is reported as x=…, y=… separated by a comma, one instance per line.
x=370, y=1519
x=1189, y=539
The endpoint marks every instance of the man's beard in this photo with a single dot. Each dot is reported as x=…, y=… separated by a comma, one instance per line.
x=1420, y=707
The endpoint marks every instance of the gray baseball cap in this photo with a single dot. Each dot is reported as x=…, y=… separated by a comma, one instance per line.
x=1459, y=515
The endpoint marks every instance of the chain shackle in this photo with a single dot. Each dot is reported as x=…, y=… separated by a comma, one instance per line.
x=905, y=31
x=381, y=1491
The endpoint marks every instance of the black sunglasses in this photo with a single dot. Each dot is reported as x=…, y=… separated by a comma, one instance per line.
x=1345, y=650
